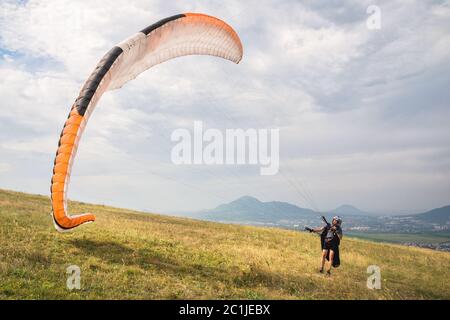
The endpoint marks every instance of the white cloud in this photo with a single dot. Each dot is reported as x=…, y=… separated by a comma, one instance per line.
x=4, y=167
x=362, y=113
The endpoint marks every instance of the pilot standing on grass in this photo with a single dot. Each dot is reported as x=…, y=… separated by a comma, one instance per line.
x=331, y=236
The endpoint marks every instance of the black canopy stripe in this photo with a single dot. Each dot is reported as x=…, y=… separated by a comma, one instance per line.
x=160, y=23
x=92, y=83
x=88, y=91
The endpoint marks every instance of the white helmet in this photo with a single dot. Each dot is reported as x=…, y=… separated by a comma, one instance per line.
x=338, y=219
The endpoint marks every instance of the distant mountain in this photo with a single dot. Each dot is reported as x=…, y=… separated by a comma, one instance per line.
x=439, y=216
x=251, y=209
x=349, y=210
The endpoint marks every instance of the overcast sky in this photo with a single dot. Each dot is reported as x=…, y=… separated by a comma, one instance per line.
x=363, y=114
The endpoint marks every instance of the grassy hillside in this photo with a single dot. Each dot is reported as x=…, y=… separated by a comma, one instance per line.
x=131, y=255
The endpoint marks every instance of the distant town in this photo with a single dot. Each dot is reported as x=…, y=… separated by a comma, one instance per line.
x=426, y=230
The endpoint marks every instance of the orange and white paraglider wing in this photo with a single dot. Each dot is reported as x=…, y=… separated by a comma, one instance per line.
x=176, y=36
x=186, y=34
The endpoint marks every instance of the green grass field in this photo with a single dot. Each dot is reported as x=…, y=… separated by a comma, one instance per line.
x=131, y=255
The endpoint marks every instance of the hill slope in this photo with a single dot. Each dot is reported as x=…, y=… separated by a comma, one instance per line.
x=439, y=215
x=131, y=255
x=347, y=209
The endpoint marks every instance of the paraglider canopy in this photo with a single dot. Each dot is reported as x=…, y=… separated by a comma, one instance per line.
x=175, y=36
